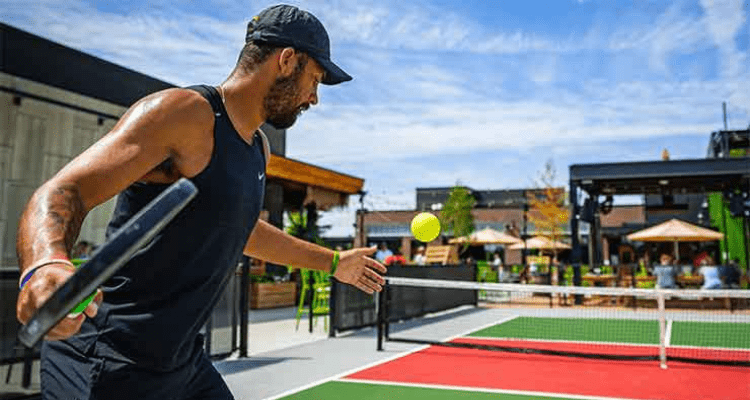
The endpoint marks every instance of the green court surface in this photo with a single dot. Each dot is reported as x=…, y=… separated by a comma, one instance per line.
x=364, y=391
x=711, y=334
x=576, y=329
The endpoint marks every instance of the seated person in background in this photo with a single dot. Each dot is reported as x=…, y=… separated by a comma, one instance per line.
x=383, y=252
x=533, y=268
x=730, y=275
x=665, y=272
x=561, y=269
x=420, y=258
x=497, y=264
x=710, y=274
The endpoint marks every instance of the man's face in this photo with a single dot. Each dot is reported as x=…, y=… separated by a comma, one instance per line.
x=290, y=96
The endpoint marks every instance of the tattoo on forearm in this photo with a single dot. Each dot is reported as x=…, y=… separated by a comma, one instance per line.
x=50, y=224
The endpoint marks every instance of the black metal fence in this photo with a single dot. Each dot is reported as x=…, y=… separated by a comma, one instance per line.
x=223, y=326
x=353, y=309
x=12, y=352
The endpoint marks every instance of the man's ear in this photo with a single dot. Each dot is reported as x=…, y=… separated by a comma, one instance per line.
x=287, y=61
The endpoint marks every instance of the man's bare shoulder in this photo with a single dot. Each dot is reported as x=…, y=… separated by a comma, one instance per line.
x=178, y=107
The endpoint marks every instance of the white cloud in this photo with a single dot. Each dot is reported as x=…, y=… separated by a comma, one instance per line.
x=626, y=111
x=672, y=31
x=178, y=47
x=724, y=20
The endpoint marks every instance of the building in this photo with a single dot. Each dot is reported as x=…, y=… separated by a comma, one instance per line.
x=502, y=210
x=712, y=192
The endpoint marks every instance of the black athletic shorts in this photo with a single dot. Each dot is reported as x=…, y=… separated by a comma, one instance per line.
x=68, y=374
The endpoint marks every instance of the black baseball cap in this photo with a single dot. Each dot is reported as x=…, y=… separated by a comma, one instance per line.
x=289, y=26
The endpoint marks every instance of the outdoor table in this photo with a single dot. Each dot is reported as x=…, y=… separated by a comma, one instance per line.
x=691, y=281
x=627, y=280
x=601, y=280
x=604, y=279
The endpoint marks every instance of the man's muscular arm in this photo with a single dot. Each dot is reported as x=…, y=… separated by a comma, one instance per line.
x=49, y=227
x=170, y=125
x=50, y=224
x=271, y=244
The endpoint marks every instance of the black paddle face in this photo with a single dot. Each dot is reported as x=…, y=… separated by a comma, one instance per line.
x=108, y=258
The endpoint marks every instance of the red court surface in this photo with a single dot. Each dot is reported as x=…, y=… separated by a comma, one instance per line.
x=564, y=375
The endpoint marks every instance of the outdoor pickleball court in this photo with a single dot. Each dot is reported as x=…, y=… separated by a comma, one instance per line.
x=617, y=358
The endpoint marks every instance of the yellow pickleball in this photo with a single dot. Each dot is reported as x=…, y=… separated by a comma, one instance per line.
x=425, y=227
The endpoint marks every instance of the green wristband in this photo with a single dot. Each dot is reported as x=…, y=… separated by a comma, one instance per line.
x=335, y=262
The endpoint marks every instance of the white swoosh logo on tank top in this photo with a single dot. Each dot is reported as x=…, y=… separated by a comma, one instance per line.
x=261, y=175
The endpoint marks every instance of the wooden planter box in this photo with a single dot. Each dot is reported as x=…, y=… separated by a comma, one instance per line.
x=269, y=295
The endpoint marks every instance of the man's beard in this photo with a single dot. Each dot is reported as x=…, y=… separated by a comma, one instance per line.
x=280, y=102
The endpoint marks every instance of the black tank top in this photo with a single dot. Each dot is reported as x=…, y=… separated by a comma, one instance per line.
x=155, y=307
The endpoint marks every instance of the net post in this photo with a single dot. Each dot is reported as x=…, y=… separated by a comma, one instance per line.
x=662, y=329
x=245, y=287
x=381, y=315
x=332, y=308
x=578, y=298
x=311, y=282
x=475, y=267
x=386, y=311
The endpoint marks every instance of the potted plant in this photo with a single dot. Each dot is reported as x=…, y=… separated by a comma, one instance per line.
x=268, y=292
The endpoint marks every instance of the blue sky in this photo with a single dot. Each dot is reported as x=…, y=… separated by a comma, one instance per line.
x=477, y=92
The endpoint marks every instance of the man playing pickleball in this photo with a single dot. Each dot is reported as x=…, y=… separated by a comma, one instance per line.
x=142, y=340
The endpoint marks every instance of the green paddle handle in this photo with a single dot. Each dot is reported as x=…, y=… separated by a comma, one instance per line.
x=83, y=304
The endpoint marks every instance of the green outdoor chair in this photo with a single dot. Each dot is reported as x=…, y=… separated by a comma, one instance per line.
x=321, y=296
x=585, y=270
x=568, y=277
x=321, y=290
x=485, y=272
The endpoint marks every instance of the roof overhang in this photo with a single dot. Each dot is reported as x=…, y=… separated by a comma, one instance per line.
x=658, y=177
x=324, y=187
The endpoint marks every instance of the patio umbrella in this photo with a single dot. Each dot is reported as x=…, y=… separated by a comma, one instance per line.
x=486, y=236
x=541, y=243
x=675, y=231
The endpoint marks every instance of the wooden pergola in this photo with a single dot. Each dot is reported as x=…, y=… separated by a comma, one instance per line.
x=312, y=184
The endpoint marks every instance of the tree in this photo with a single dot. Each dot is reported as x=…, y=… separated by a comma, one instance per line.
x=303, y=224
x=456, y=214
x=548, y=206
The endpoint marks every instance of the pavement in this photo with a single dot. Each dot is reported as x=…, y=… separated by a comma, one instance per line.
x=286, y=368
x=276, y=329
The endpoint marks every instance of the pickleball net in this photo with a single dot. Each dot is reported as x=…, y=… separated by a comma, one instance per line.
x=676, y=325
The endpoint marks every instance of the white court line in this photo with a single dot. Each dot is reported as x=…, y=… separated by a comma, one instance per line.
x=375, y=363
x=643, y=345
x=349, y=372
x=668, y=333
x=489, y=338
x=737, y=349
x=483, y=390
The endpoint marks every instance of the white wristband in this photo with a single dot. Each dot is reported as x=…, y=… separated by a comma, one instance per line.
x=30, y=271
